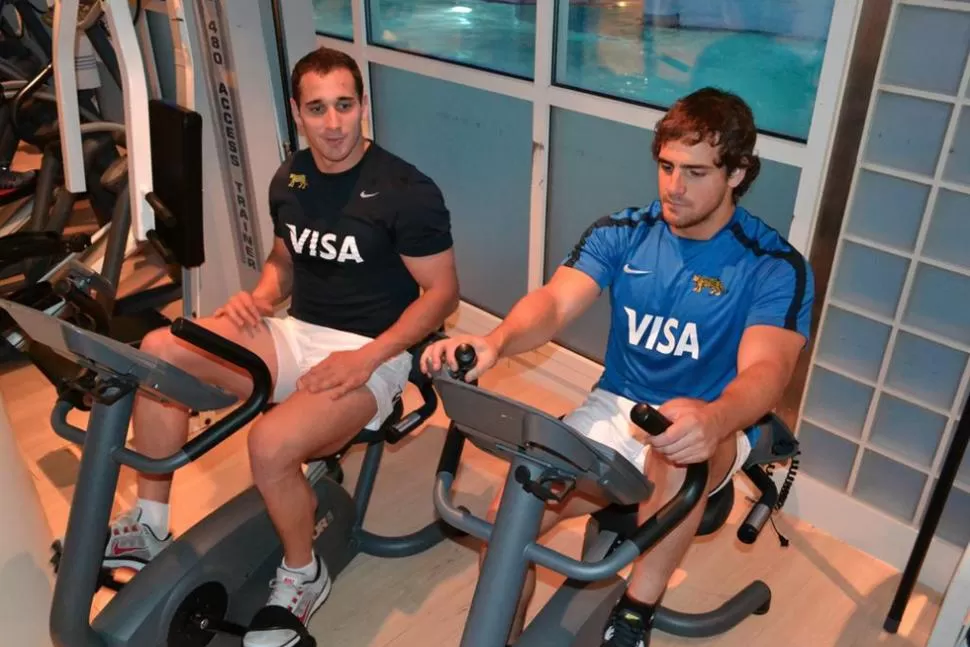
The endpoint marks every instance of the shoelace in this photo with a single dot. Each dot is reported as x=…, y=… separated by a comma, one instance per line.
x=627, y=632
x=286, y=591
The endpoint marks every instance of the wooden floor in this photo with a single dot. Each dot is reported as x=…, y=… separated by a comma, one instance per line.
x=825, y=593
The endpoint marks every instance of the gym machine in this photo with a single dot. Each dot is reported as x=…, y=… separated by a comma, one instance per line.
x=549, y=461
x=245, y=126
x=210, y=581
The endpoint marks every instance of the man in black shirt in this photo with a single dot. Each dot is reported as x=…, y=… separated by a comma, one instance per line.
x=363, y=246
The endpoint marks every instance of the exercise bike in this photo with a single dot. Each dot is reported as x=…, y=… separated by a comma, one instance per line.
x=550, y=461
x=210, y=582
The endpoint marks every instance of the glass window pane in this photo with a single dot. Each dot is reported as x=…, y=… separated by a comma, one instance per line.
x=334, y=18
x=477, y=146
x=497, y=35
x=655, y=51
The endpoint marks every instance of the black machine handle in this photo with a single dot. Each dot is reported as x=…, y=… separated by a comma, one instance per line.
x=649, y=533
x=244, y=359
x=761, y=512
x=218, y=432
x=398, y=431
x=29, y=90
x=695, y=483
x=87, y=305
x=26, y=245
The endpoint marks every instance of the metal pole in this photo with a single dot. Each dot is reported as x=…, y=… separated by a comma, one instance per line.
x=951, y=465
x=284, y=63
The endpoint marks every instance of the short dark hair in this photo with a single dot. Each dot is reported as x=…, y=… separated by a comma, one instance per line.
x=724, y=121
x=324, y=60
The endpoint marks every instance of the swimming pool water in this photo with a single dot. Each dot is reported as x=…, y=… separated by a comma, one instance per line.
x=608, y=49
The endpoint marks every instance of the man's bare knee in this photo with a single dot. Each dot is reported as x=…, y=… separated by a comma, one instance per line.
x=270, y=455
x=157, y=342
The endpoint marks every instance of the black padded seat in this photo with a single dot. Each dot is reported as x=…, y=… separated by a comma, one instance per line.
x=719, y=506
x=622, y=519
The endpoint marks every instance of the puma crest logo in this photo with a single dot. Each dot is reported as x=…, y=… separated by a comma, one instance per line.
x=712, y=285
x=312, y=243
x=297, y=181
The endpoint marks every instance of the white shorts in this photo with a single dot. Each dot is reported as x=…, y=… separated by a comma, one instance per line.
x=300, y=346
x=605, y=418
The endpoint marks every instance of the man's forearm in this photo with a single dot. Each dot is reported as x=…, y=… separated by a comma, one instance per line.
x=276, y=281
x=533, y=321
x=749, y=396
x=419, y=320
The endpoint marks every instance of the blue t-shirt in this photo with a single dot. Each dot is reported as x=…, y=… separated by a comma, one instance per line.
x=679, y=307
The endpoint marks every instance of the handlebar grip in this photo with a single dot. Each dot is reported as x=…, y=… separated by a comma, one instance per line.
x=675, y=510
x=761, y=512
x=649, y=419
x=451, y=452
x=233, y=353
x=85, y=303
x=754, y=522
x=466, y=357
x=396, y=432
x=241, y=357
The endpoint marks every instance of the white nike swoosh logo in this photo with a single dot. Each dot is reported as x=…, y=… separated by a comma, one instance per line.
x=630, y=270
x=365, y=194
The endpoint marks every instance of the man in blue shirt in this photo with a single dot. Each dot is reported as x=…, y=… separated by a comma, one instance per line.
x=710, y=309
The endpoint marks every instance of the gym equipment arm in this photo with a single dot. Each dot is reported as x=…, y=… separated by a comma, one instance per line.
x=218, y=432
x=24, y=245
x=396, y=432
x=665, y=520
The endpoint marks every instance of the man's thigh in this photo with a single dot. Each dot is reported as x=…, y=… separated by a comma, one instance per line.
x=310, y=425
x=301, y=346
x=208, y=367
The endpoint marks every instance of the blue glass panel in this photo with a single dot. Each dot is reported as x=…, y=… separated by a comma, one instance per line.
x=949, y=230
x=825, y=456
x=869, y=278
x=958, y=160
x=925, y=370
x=497, y=35
x=907, y=429
x=906, y=132
x=656, y=51
x=936, y=303
x=910, y=63
x=478, y=147
x=892, y=487
x=887, y=210
x=334, y=18
x=838, y=402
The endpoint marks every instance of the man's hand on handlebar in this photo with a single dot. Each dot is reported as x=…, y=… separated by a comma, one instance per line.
x=245, y=311
x=693, y=435
x=442, y=353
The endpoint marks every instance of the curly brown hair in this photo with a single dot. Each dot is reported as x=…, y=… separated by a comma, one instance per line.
x=724, y=121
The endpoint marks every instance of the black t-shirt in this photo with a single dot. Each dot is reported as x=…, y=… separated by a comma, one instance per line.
x=346, y=233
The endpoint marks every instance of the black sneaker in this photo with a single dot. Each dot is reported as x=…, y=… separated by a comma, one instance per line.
x=627, y=628
x=16, y=183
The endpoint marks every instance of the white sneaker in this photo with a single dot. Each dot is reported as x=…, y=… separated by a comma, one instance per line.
x=132, y=544
x=292, y=602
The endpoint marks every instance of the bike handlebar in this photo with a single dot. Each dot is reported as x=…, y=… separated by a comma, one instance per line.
x=214, y=435
x=647, y=534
